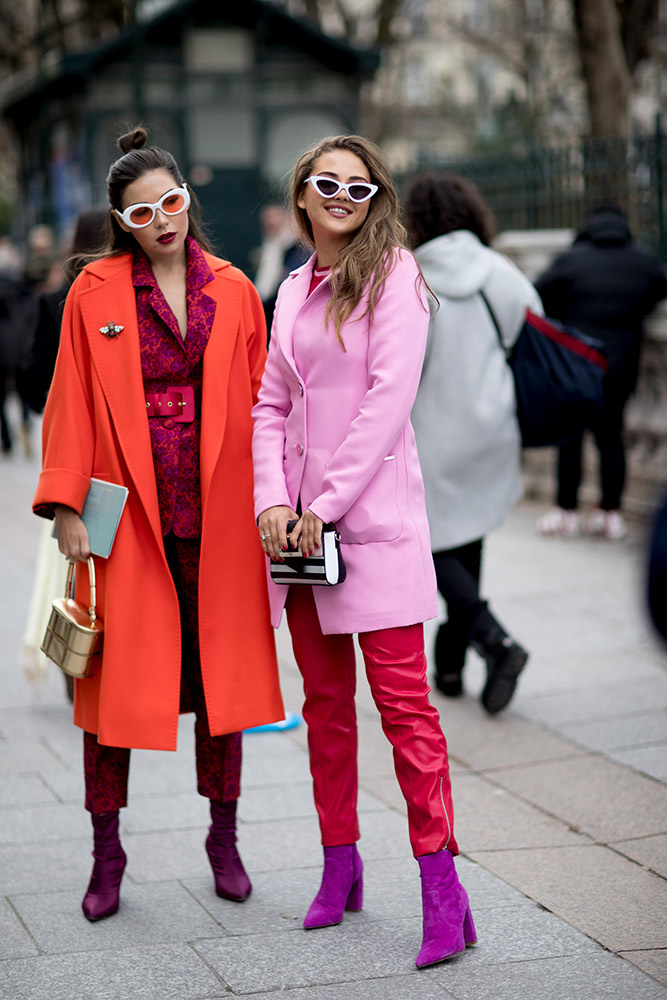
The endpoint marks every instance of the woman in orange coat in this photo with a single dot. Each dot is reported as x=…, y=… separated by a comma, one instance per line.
x=156, y=321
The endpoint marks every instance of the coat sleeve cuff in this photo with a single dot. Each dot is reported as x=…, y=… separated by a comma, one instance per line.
x=319, y=509
x=264, y=502
x=60, y=486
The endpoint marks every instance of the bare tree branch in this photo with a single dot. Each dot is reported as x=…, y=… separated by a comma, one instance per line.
x=386, y=14
x=489, y=43
x=350, y=22
x=312, y=10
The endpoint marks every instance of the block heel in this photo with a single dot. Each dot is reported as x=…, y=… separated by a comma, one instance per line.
x=355, y=900
x=469, y=932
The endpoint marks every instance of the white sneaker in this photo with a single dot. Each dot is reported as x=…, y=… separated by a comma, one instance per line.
x=615, y=528
x=559, y=522
x=597, y=523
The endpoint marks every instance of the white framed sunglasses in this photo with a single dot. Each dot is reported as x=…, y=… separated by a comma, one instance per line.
x=357, y=191
x=142, y=214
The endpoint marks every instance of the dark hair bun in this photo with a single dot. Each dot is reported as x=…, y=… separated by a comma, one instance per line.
x=135, y=139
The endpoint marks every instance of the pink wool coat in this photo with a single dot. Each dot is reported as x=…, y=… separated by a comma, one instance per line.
x=332, y=427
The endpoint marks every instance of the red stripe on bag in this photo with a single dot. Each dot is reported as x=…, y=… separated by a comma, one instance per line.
x=566, y=340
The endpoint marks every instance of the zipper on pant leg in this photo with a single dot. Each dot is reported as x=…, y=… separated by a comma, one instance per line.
x=449, y=825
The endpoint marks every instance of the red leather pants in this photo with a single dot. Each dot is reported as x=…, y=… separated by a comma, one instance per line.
x=396, y=670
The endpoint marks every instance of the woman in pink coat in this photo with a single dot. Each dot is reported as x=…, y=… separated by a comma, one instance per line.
x=333, y=443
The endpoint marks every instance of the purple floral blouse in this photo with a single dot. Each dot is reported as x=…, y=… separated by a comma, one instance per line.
x=168, y=360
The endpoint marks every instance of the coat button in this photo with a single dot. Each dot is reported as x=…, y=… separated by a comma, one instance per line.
x=299, y=449
x=300, y=389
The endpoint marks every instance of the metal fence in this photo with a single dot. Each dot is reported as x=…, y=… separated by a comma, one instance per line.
x=553, y=187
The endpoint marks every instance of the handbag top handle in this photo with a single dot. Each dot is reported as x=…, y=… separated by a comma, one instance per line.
x=93, y=589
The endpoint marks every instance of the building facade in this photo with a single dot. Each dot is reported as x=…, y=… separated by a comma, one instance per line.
x=236, y=95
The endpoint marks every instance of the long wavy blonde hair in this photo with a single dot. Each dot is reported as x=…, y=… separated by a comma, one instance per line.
x=368, y=258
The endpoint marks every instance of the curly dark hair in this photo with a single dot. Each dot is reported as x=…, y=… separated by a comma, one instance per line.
x=436, y=204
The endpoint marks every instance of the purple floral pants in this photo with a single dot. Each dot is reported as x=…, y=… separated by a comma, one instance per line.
x=106, y=769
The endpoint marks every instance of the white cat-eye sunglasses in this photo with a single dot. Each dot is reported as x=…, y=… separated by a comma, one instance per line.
x=142, y=214
x=357, y=191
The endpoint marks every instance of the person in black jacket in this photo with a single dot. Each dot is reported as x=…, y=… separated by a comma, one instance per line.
x=36, y=375
x=280, y=252
x=604, y=285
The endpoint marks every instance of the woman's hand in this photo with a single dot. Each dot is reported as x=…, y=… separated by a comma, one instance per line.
x=309, y=532
x=71, y=533
x=272, y=524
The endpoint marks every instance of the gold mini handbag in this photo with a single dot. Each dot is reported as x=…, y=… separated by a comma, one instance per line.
x=74, y=634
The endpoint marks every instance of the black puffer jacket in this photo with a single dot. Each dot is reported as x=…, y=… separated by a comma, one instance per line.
x=605, y=285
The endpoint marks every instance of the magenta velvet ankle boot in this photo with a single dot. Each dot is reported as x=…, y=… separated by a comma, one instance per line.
x=341, y=888
x=448, y=925
x=231, y=881
x=102, y=896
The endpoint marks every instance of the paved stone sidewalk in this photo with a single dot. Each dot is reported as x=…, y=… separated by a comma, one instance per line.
x=561, y=815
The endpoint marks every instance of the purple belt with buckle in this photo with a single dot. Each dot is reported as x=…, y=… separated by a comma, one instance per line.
x=177, y=403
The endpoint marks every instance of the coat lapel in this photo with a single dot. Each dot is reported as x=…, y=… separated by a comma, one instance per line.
x=292, y=299
x=117, y=361
x=226, y=293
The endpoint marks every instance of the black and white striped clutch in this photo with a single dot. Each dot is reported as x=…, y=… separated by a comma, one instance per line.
x=325, y=568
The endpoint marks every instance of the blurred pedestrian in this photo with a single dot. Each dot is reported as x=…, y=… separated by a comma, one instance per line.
x=657, y=570
x=333, y=443
x=89, y=236
x=465, y=419
x=10, y=258
x=40, y=257
x=41, y=274
x=605, y=285
x=154, y=325
x=17, y=304
x=11, y=323
x=280, y=252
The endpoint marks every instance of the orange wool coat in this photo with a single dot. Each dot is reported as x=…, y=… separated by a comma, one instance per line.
x=95, y=424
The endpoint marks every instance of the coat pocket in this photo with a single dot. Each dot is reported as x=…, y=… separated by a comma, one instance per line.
x=374, y=516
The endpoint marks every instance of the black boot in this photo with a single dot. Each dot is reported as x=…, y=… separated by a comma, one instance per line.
x=449, y=655
x=505, y=659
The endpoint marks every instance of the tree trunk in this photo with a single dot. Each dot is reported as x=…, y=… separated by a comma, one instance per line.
x=387, y=10
x=604, y=67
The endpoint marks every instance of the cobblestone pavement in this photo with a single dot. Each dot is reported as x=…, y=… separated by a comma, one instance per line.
x=561, y=817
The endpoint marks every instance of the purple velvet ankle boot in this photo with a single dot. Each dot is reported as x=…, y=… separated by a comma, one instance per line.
x=102, y=895
x=341, y=888
x=448, y=924
x=231, y=881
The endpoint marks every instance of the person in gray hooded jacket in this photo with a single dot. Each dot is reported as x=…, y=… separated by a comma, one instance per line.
x=465, y=419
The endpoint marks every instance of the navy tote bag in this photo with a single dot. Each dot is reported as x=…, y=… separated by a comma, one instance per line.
x=558, y=374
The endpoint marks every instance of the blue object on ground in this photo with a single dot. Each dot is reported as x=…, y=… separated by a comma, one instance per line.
x=291, y=721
